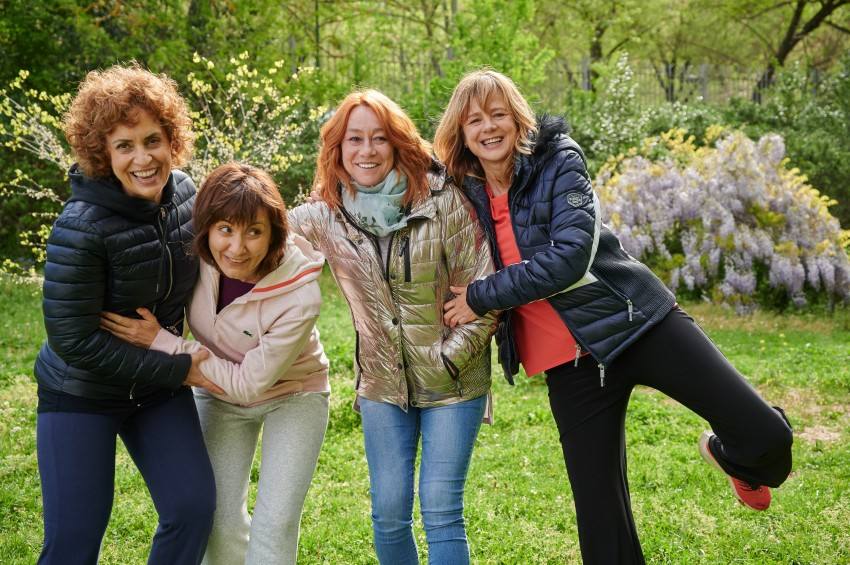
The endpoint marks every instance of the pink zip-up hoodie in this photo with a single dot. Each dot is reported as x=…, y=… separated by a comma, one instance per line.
x=264, y=344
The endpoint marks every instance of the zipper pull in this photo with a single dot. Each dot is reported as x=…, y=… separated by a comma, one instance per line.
x=631, y=309
x=578, y=353
x=162, y=212
x=601, y=375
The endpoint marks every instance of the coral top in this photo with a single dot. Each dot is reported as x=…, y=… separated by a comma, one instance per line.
x=543, y=340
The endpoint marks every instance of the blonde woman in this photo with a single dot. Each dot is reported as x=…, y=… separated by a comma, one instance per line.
x=593, y=319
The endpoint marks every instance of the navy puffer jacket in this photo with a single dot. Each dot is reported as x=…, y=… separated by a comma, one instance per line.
x=110, y=251
x=606, y=298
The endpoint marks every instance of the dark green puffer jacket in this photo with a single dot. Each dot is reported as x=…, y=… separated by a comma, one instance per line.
x=110, y=251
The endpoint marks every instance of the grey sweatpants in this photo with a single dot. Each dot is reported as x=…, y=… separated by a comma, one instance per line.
x=293, y=430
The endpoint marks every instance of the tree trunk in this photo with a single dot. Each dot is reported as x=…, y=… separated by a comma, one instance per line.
x=793, y=35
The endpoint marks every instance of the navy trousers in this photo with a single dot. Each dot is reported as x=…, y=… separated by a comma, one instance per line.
x=76, y=461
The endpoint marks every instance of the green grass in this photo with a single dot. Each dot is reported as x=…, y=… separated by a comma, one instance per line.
x=519, y=506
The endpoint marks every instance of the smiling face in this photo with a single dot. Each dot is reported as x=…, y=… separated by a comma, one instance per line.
x=238, y=249
x=367, y=154
x=140, y=156
x=490, y=132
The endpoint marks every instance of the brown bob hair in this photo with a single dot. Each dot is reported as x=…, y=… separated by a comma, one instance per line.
x=108, y=98
x=236, y=193
x=479, y=86
x=412, y=153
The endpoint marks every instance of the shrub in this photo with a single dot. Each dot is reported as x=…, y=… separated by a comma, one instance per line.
x=728, y=221
x=812, y=112
x=244, y=115
x=30, y=124
x=252, y=116
x=613, y=121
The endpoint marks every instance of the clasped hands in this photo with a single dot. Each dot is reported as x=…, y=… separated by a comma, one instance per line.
x=142, y=333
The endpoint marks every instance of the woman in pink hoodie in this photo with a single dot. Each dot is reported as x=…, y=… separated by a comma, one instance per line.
x=254, y=308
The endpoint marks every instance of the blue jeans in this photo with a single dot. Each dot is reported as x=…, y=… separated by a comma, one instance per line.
x=392, y=437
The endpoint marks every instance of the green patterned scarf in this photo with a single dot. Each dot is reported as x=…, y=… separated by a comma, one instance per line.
x=377, y=209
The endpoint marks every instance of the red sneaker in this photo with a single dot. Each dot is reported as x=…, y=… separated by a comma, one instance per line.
x=756, y=497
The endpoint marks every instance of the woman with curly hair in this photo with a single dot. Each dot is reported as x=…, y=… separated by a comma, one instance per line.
x=120, y=244
x=397, y=233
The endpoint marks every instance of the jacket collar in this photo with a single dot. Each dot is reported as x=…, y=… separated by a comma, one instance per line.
x=108, y=192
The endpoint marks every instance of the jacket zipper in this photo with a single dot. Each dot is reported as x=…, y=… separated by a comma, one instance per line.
x=389, y=254
x=629, y=305
x=357, y=359
x=371, y=237
x=404, y=251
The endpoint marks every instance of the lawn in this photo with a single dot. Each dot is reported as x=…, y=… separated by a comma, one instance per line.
x=519, y=506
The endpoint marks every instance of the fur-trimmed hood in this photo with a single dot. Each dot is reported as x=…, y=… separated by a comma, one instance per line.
x=550, y=130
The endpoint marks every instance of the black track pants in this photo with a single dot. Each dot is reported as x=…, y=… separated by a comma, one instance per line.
x=678, y=359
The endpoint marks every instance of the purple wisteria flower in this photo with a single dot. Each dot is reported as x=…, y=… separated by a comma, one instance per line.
x=714, y=219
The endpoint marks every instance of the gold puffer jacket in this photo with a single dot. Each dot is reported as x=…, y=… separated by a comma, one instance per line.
x=404, y=353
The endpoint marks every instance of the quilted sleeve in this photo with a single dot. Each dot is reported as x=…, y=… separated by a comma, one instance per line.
x=573, y=230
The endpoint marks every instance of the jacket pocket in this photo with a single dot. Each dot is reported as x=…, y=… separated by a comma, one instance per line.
x=358, y=368
x=453, y=371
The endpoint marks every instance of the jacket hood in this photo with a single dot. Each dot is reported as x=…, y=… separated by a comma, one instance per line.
x=551, y=132
x=552, y=137
x=301, y=264
x=108, y=193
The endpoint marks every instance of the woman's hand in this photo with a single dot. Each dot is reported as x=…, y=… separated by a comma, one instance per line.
x=196, y=378
x=138, y=332
x=456, y=311
x=314, y=196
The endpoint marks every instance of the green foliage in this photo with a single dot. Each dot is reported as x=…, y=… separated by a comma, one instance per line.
x=239, y=113
x=812, y=112
x=30, y=124
x=505, y=47
x=255, y=117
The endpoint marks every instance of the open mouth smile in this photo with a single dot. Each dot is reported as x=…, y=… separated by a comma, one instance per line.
x=145, y=174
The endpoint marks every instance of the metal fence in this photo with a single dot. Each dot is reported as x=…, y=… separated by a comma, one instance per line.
x=564, y=81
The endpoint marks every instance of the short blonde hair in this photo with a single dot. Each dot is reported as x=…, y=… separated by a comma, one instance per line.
x=479, y=86
x=412, y=153
x=108, y=98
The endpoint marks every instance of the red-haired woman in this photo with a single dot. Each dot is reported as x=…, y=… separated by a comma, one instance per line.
x=120, y=244
x=397, y=233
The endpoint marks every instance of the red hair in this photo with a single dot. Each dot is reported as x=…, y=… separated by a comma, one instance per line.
x=108, y=98
x=412, y=153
